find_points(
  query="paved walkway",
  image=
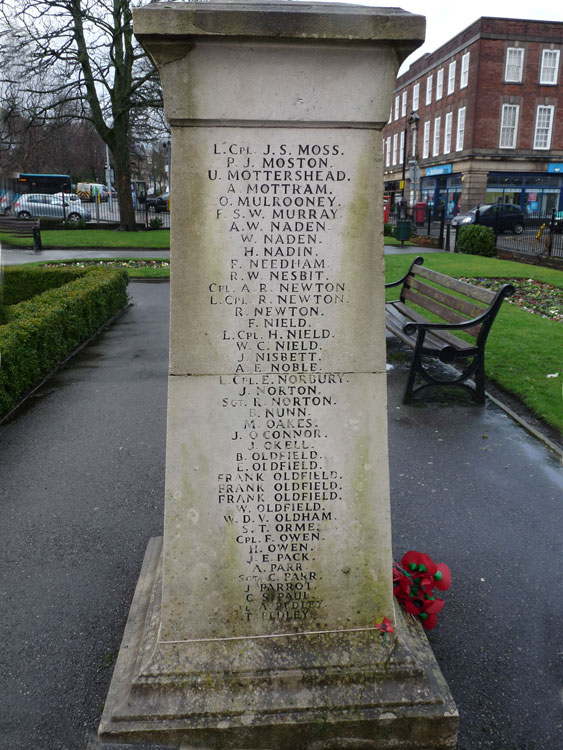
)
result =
(82, 467)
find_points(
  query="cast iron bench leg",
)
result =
(37, 239)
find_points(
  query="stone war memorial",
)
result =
(252, 625)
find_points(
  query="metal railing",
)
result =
(53, 209)
(542, 236)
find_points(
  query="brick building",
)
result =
(482, 118)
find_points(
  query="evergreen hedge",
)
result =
(475, 239)
(24, 282)
(42, 331)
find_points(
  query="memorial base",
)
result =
(313, 691)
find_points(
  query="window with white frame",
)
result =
(514, 65)
(448, 125)
(464, 77)
(436, 140)
(460, 135)
(402, 148)
(429, 81)
(388, 151)
(451, 77)
(404, 104)
(544, 124)
(397, 104)
(508, 126)
(395, 145)
(426, 140)
(439, 84)
(549, 67)
(415, 96)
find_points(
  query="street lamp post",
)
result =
(405, 140)
(414, 170)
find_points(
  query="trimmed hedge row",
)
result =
(22, 283)
(44, 330)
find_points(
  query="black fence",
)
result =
(541, 234)
(145, 215)
(70, 208)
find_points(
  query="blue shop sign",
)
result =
(440, 169)
(555, 167)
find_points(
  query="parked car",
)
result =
(72, 198)
(500, 216)
(45, 206)
(159, 204)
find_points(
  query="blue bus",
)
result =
(43, 183)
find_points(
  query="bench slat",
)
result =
(469, 309)
(440, 310)
(475, 292)
(395, 326)
(17, 226)
(401, 314)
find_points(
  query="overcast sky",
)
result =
(446, 19)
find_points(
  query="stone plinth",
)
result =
(253, 625)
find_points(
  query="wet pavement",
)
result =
(82, 467)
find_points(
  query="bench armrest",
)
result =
(506, 290)
(418, 261)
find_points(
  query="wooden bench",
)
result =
(22, 228)
(470, 309)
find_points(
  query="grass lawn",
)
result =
(52, 238)
(155, 238)
(392, 241)
(523, 349)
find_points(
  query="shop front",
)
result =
(533, 192)
(440, 187)
(393, 189)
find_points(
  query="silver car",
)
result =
(45, 206)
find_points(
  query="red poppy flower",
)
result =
(428, 621)
(433, 605)
(417, 563)
(385, 625)
(443, 577)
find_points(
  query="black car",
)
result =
(500, 216)
(159, 204)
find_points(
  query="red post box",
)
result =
(419, 212)
(386, 208)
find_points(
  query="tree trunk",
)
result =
(122, 167)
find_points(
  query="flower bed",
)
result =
(128, 263)
(532, 296)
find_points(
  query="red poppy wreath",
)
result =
(414, 581)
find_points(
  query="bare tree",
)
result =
(79, 59)
(63, 147)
